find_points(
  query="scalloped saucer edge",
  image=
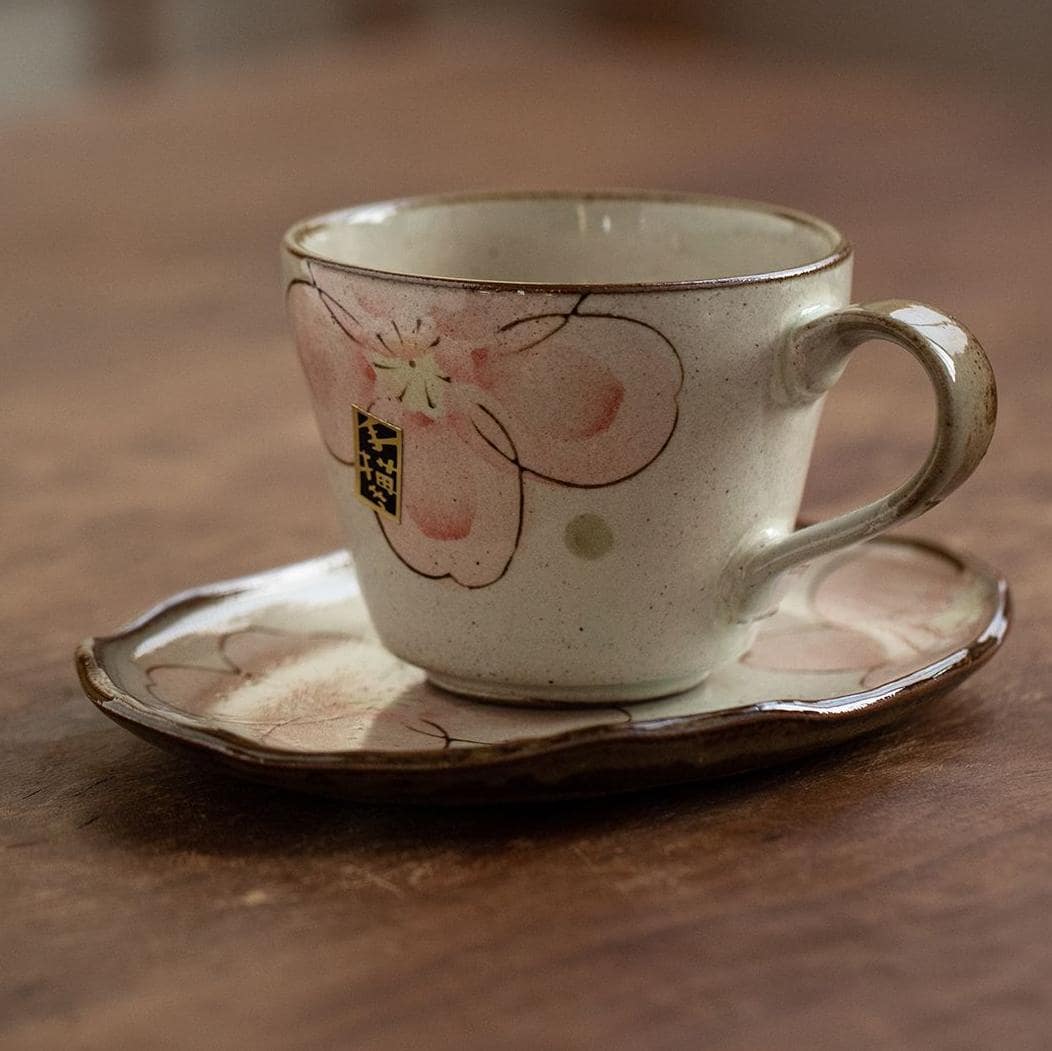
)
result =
(279, 677)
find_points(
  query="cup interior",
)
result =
(568, 240)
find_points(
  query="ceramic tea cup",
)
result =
(569, 433)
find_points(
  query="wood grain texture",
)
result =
(156, 433)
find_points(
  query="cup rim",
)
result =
(292, 242)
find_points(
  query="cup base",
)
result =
(557, 696)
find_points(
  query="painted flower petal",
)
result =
(461, 499)
(808, 647)
(373, 315)
(483, 319)
(898, 586)
(338, 373)
(593, 402)
(474, 328)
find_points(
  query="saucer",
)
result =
(280, 677)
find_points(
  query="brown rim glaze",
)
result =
(840, 252)
(588, 761)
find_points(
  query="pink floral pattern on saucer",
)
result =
(869, 616)
(487, 400)
(298, 666)
(281, 677)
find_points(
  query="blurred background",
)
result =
(155, 150)
(51, 46)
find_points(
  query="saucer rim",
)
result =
(832, 718)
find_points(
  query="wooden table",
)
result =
(156, 434)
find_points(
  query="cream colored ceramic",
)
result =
(281, 677)
(569, 434)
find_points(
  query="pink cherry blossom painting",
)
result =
(488, 399)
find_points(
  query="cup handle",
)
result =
(812, 360)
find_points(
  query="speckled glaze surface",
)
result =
(282, 677)
(569, 434)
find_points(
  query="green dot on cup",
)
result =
(588, 536)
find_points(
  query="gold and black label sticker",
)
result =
(378, 463)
